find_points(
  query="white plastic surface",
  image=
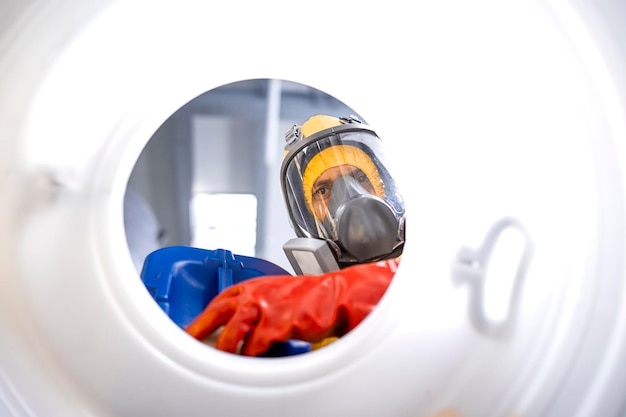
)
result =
(489, 108)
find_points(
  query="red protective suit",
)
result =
(270, 309)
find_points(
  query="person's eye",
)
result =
(362, 178)
(320, 192)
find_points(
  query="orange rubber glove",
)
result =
(270, 309)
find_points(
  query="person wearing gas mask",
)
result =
(349, 218)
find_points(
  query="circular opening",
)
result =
(204, 210)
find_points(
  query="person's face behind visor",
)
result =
(338, 188)
(322, 188)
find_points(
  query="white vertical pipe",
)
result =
(272, 117)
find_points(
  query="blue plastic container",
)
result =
(183, 280)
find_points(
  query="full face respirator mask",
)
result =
(343, 203)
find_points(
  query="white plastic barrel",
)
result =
(507, 133)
